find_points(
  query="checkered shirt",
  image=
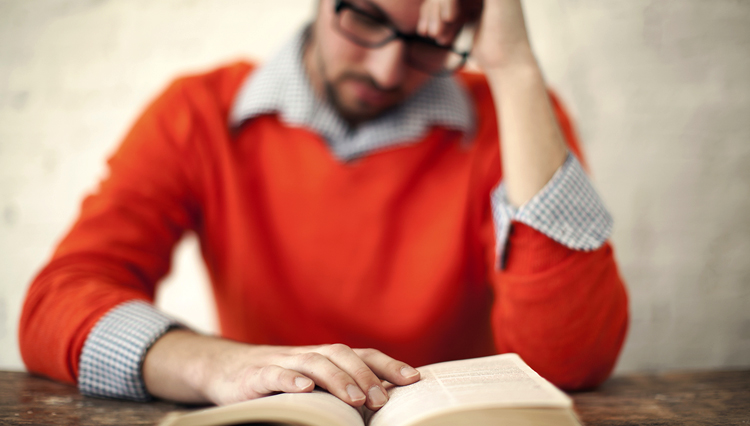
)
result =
(567, 209)
(112, 356)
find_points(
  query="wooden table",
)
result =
(695, 398)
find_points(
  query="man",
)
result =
(346, 196)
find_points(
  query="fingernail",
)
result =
(377, 397)
(355, 394)
(302, 382)
(408, 372)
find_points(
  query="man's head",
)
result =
(359, 75)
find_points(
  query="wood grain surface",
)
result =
(31, 400)
(691, 398)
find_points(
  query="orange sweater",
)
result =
(394, 250)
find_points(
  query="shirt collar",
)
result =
(282, 86)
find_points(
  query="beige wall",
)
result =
(660, 89)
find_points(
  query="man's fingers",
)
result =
(273, 378)
(387, 368)
(327, 375)
(347, 360)
(438, 20)
(424, 17)
(353, 375)
(449, 10)
(430, 22)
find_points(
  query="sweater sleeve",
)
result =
(560, 302)
(120, 245)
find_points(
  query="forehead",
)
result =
(404, 14)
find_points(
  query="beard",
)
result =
(354, 110)
(338, 92)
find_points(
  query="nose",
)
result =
(386, 64)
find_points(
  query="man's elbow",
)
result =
(591, 366)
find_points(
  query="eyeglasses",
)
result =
(370, 31)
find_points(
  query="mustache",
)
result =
(366, 79)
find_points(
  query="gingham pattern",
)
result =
(110, 364)
(281, 86)
(568, 210)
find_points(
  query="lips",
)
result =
(369, 95)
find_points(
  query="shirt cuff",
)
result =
(568, 210)
(112, 356)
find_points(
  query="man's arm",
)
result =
(188, 367)
(559, 300)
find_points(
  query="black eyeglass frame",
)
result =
(396, 34)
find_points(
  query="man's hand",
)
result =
(501, 38)
(187, 367)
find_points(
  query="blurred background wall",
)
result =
(660, 90)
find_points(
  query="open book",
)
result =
(498, 389)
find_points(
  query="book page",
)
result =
(318, 408)
(495, 381)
